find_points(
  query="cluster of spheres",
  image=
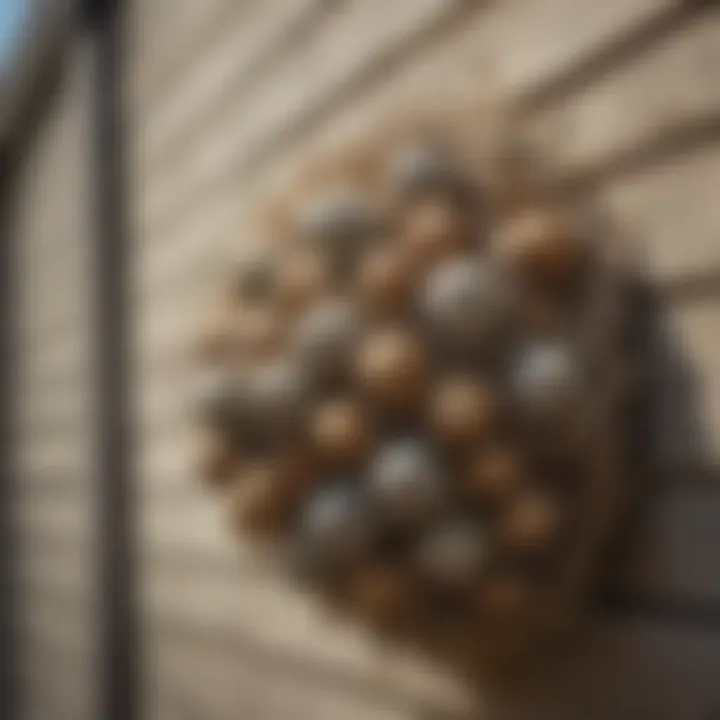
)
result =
(416, 397)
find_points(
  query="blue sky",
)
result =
(13, 15)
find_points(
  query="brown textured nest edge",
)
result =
(417, 389)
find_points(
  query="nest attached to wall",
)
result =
(418, 390)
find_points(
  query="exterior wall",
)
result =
(619, 98)
(225, 100)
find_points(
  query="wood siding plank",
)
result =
(671, 86)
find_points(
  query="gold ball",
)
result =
(302, 280)
(217, 339)
(298, 470)
(432, 230)
(254, 278)
(340, 431)
(462, 410)
(392, 367)
(385, 595)
(214, 456)
(543, 316)
(494, 474)
(502, 595)
(385, 281)
(324, 339)
(260, 332)
(531, 522)
(541, 245)
(259, 505)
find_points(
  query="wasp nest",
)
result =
(420, 394)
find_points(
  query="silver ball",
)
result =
(547, 381)
(424, 168)
(219, 397)
(277, 394)
(338, 224)
(464, 301)
(454, 552)
(325, 337)
(336, 528)
(405, 482)
(255, 278)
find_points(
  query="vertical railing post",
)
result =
(9, 647)
(119, 674)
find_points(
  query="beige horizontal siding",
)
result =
(349, 43)
(166, 35)
(227, 637)
(670, 86)
(670, 209)
(250, 41)
(470, 57)
(689, 412)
